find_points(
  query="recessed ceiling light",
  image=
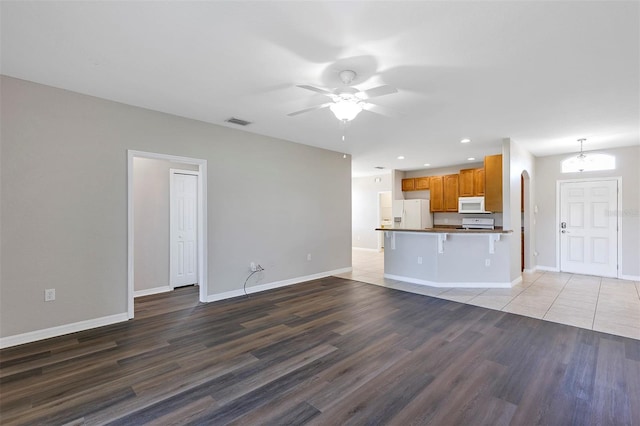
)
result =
(427, 164)
(465, 140)
(471, 158)
(400, 157)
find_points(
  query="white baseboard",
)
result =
(273, 285)
(547, 268)
(631, 277)
(60, 330)
(150, 291)
(554, 269)
(366, 249)
(529, 271)
(453, 284)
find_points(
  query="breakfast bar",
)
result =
(448, 257)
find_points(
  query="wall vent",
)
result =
(238, 121)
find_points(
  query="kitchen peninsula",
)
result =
(448, 257)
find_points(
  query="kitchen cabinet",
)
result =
(416, 184)
(408, 184)
(436, 188)
(467, 183)
(478, 178)
(450, 193)
(444, 193)
(493, 183)
(422, 183)
(472, 182)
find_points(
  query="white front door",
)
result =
(589, 227)
(183, 228)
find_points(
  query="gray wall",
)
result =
(64, 203)
(548, 172)
(365, 192)
(151, 221)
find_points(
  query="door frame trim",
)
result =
(202, 222)
(618, 180)
(173, 172)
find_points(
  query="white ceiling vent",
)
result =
(238, 121)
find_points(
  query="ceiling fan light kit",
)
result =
(345, 109)
(347, 101)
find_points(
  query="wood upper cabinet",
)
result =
(415, 184)
(422, 183)
(408, 184)
(478, 177)
(493, 183)
(467, 183)
(451, 193)
(436, 188)
(472, 182)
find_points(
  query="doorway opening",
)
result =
(160, 264)
(525, 225)
(385, 219)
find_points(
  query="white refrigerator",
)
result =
(412, 214)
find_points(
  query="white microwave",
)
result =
(471, 205)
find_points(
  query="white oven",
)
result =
(471, 205)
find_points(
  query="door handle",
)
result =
(564, 231)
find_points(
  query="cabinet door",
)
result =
(467, 183)
(493, 183)
(408, 184)
(478, 182)
(451, 193)
(422, 183)
(436, 188)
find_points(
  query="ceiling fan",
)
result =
(347, 102)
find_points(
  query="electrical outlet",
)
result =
(49, 294)
(309, 256)
(253, 266)
(419, 260)
(487, 262)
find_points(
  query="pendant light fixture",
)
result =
(582, 158)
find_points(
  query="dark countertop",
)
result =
(450, 230)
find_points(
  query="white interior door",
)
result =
(589, 227)
(183, 228)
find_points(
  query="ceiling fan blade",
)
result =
(315, 89)
(376, 91)
(302, 111)
(381, 110)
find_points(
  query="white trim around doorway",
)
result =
(202, 222)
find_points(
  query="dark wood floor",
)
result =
(326, 352)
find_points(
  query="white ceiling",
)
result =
(542, 73)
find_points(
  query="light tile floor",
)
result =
(601, 304)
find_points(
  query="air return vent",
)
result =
(238, 121)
